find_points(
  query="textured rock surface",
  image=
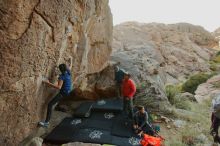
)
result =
(41, 132)
(158, 54)
(36, 141)
(36, 36)
(216, 33)
(177, 50)
(208, 90)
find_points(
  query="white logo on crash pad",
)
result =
(95, 134)
(134, 141)
(76, 121)
(101, 102)
(109, 115)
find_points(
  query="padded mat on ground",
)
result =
(89, 131)
(105, 116)
(113, 105)
(120, 141)
(65, 131)
(84, 110)
(93, 136)
(122, 128)
(98, 124)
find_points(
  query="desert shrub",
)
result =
(217, 59)
(188, 140)
(171, 92)
(194, 81)
(174, 143)
(218, 53)
(182, 104)
(213, 66)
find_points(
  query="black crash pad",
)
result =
(105, 124)
(120, 141)
(98, 124)
(84, 110)
(109, 105)
(122, 127)
(65, 131)
(103, 116)
(91, 135)
(92, 131)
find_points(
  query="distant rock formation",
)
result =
(216, 33)
(161, 54)
(35, 37)
(175, 50)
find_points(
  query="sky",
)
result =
(205, 13)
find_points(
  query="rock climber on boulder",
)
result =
(64, 85)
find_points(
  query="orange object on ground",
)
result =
(148, 140)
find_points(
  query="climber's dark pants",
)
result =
(214, 127)
(51, 104)
(128, 108)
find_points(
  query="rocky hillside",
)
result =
(171, 51)
(217, 32)
(178, 49)
(158, 54)
(35, 37)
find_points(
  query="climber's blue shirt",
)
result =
(67, 83)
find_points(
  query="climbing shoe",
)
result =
(43, 124)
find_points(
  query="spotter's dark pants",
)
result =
(128, 108)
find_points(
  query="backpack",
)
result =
(151, 141)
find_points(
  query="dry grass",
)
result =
(198, 122)
(172, 92)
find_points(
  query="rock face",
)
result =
(177, 50)
(36, 141)
(161, 54)
(36, 36)
(208, 90)
(216, 33)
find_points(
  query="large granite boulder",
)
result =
(35, 37)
